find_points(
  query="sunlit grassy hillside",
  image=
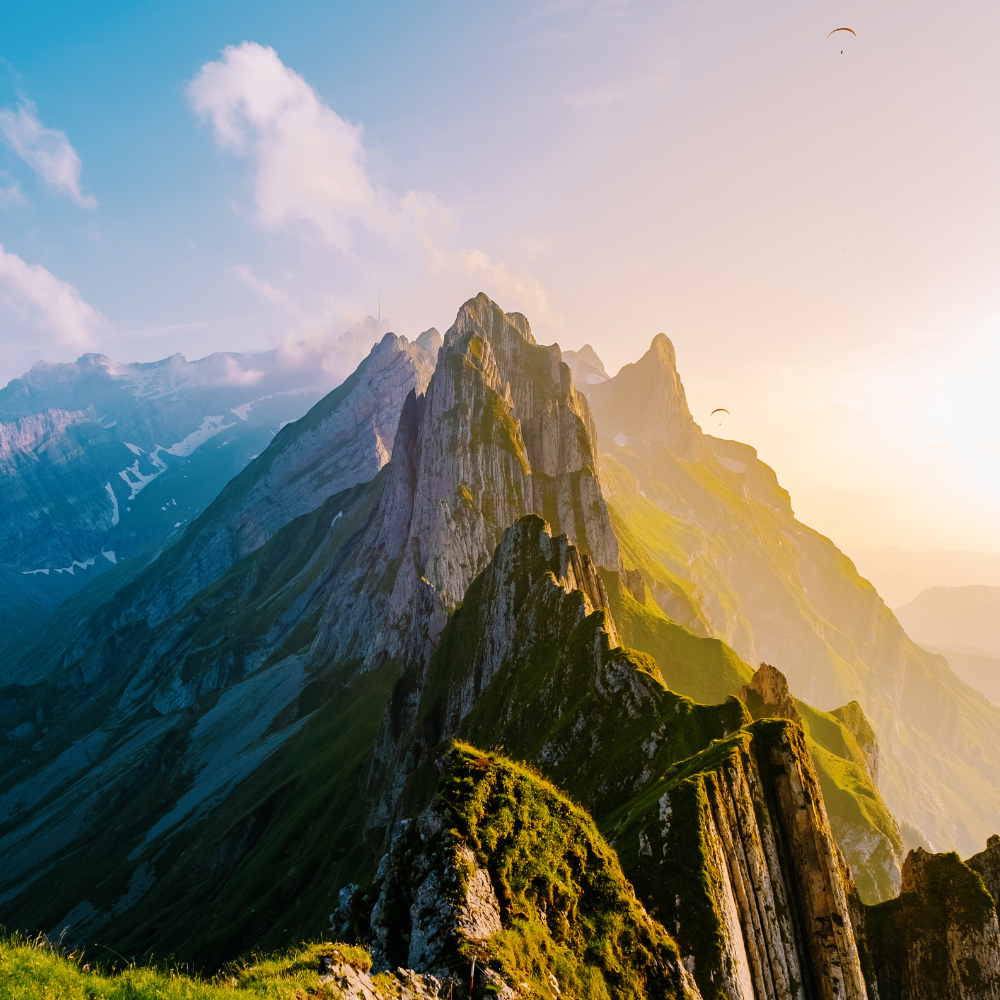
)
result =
(30, 971)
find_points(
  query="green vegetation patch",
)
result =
(567, 906)
(30, 970)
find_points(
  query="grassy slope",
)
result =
(300, 813)
(30, 972)
(543, 852)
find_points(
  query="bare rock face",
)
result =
(503, 433)
(768, 873)
(431, 896)
(767, 695)
(939, 938)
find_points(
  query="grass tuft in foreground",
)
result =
(30, 970)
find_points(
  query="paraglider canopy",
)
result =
(849, 30)
(721, 409)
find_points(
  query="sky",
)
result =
(812, 220)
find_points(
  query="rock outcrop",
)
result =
(502, 866)
(939, 938)
(987, 865)
(767, 696)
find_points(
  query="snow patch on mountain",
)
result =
(142, 480)
(210, 426)
(114, 504)
(74, 565)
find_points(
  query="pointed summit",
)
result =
(645, 404)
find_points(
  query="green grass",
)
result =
(568, 907)
(704, 669)
(31, 971)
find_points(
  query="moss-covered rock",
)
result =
(939, 938)
(503, 867)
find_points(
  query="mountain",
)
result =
(950, 616)
(714, 538)
(102, 462)
(900, 575)
(586, 366)
(315, 701)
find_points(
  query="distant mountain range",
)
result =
(303, 712)
(102, 463)
(955, 616)
(900, 575)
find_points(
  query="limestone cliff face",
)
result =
(845, 754)
(939, 938)
(740, 839)
(501, 432)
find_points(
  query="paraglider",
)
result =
(720, 409)
(835, 30)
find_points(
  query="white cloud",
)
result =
(41, 301)
(310, 162)
(310, 166)
(46, 150)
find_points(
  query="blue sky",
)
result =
(817, 232)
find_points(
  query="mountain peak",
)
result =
(645, 404)
(662, 351)
(431, 341)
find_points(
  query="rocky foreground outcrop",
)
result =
(502, 867)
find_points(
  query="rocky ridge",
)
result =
(711, 532)
(346, 651)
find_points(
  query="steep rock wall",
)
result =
(939, 938)
(734, 852)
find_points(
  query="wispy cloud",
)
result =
(310, 162)
(310, 167)
(40, 301)
(11, 194)
(46, 150)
